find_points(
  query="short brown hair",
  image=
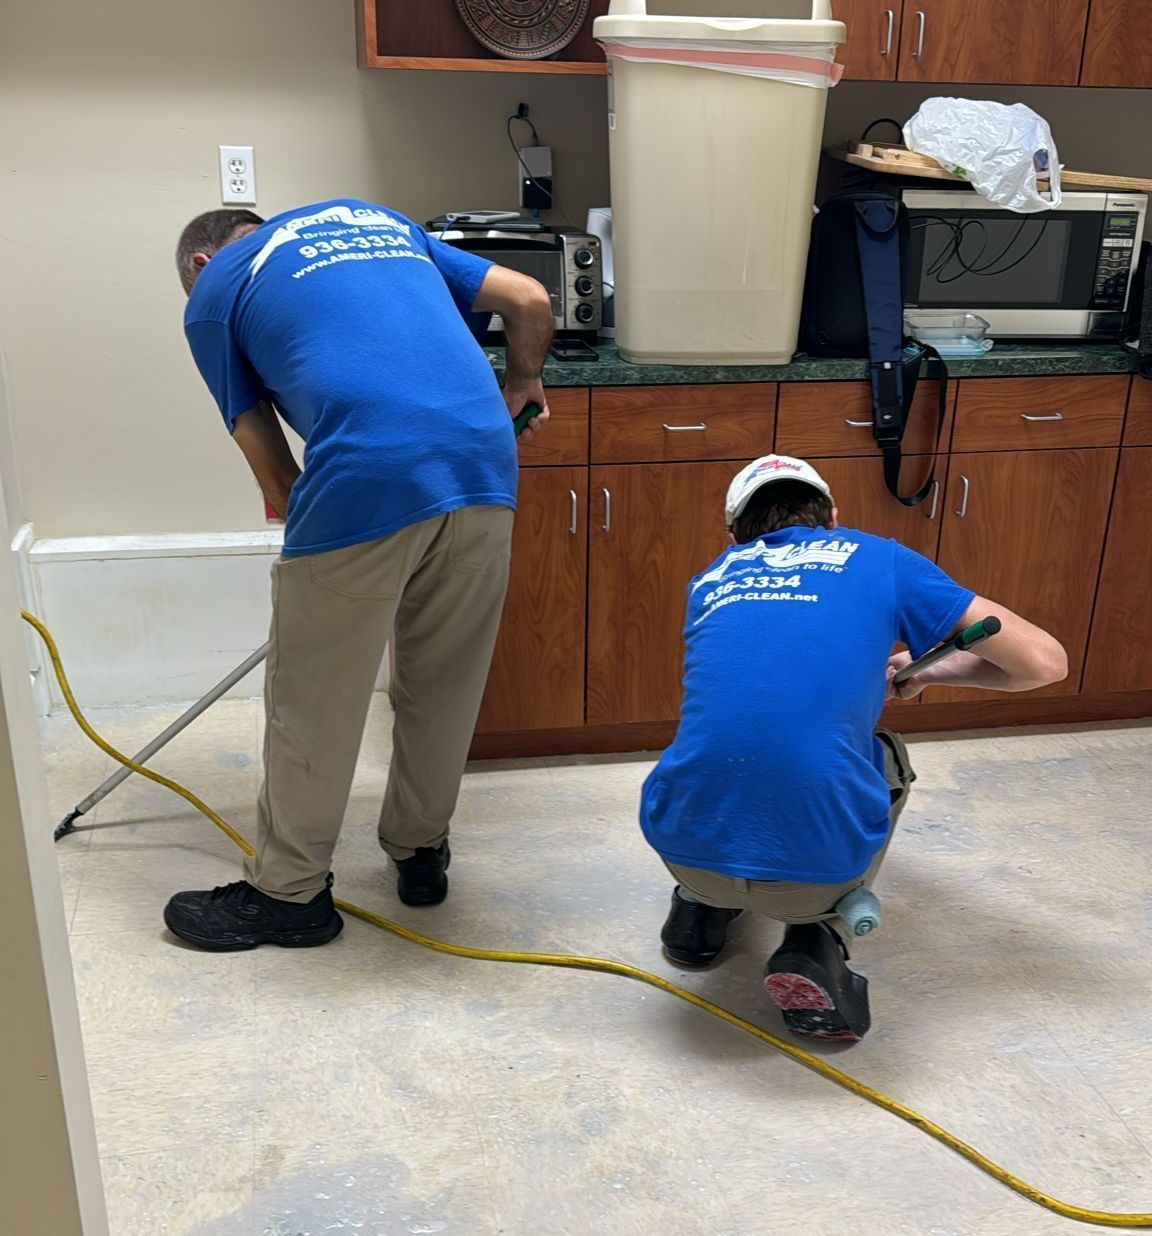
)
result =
(781, 504)
(208, 233)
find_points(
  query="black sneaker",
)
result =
(238, 916)
(421, 879)
(809, 981)
(694, 934)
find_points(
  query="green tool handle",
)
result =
(527, 413)
(960, 642)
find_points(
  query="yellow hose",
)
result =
(1103, 1218)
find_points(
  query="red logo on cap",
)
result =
(776, 465)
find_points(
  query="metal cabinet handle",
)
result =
(920, 21)
(572, 525)
(1054, 416)
(859, 424)
(607, 525)
(935, 499)
(890, 14)
(962, 510)
(685, 428)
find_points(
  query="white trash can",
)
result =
(715, 128)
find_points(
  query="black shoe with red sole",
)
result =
(810, 983)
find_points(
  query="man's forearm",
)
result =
(528, 330)
(259, 434)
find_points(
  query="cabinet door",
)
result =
(1026, 529)
(1120, 651)
(864, 502)
(654, 526)
(1036, 42)
(871, 52)
(537, 676)
(1118, 51)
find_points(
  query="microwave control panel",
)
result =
(1116, 259)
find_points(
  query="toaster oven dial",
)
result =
(584, 286)
(585, 313)
(584, 258)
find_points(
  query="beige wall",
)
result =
(9, 480)
(110, 115)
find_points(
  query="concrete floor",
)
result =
(372, 1087)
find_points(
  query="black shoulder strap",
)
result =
(878, 246)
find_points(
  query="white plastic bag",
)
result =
(1001, 149)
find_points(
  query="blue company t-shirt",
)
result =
(774, 773)
(356, 325)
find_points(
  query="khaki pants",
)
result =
(439, 587)
(802, 903)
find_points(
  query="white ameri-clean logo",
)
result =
(357, 217)
(833, 552)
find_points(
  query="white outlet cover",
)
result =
(237, 176)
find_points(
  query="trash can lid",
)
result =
(624, 21)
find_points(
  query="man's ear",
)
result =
(834, 522)
(200, 260)
(731, 537)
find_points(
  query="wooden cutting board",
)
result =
(900, 161)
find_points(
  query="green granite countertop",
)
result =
(1006, 360)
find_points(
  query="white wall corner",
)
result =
(38, 666)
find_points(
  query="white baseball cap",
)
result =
(764, 471)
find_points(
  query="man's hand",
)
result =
(906, 690)
(518, 395)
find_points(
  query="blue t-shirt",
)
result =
(774, 773)
(356, 325)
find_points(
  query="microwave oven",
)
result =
(1057, 274)
(567, 262)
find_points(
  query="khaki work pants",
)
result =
(803, 903)
(438, 586)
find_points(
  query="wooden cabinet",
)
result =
(816, 419)
(864, 502)
(1008, 414)
(1118, 49)
(1120, 650)
(1138, 427)
(618, 512)
(1026, 528)
(1036, 42)
(666, 424)
(872, 49)
(537, 675)
(653, 527)
(564, 438)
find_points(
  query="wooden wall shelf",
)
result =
(429, 34)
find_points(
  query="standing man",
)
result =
(354, 325)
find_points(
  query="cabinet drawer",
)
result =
(564, 438)
(835, 418)
(1138, 430)
(668, 424)
(1034, 413)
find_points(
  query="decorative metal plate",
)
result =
(524, 29)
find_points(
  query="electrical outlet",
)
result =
(237, 176)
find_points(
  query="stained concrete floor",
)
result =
(373, 1087)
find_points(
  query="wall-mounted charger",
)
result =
(535, 168)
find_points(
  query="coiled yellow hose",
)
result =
(1103, 1218)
